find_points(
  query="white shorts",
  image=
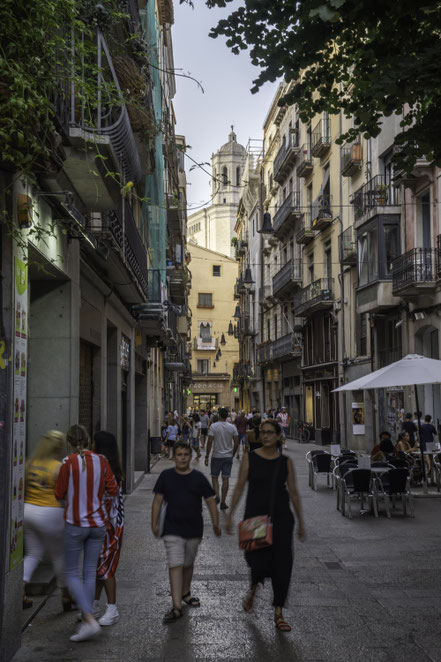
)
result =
(181, 551)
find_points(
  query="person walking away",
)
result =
(186, 429)
(428, 431)
(204, 429)
(83, 478)
(104, 443)
(196, 435)
(252, 437)
(222, 437)
(43, 514)
(172, 436)
(183, 489)
(285, 418)
(409, 426)
(232, 416)
(271, 485)
(164, 427)
(241, 424)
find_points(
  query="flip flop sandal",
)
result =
(173, 615)
(282, 625)
(192, 602)
(248, 601)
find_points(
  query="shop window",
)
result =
(205, 300)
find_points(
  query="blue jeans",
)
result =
(89, 540)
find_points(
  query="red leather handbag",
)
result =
(255, 533)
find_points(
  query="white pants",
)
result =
(43, 532)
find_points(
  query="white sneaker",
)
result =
(86, 631)
(110, 616)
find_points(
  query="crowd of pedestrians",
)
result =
(74, 508)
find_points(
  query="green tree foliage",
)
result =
(367, 58)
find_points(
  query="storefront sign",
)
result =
(19, 413)
(125, 352)
(358, 426)
(206, 386)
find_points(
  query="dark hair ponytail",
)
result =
(105, 444)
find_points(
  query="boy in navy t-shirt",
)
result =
(183, 489)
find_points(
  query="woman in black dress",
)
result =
(271, 484)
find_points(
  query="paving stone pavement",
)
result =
(363, 590)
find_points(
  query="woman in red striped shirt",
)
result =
(83, 480)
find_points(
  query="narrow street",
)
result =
(362, 590)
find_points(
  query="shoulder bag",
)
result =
(257, 532)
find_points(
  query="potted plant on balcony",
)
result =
(382, 194)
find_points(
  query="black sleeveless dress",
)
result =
(276, 561)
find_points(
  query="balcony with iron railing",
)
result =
(241, 247)
(316, 296)
(305, 166)
(321, 137)
(322, 213)
(175, 214)
(378, 195)
(348, 246)
(210, 344)
(266, 296)
(286, 157)
(288, 212)
(107, 125)
(287, 279)
(351, 158)
(265, 352)
(306, 232)
(247, 327)
(287, 346)
(415, 272)
(118, 229)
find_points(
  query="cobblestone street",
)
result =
(362, 590)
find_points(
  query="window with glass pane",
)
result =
(205, 332)
(216, 270)
(203, 366)
(368, 257)
(205, 299)
(391, 246)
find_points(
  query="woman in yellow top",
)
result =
(43, 514)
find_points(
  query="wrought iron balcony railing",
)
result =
(305, 166)
(378, 192)
(289, 274)
(314, 295)
(289, 209)
(321, 137)
(348, 246)
(108, 120)
(351, 158)
(286, 157)
(287, 345)
(305, 233)
(417, 267)
(265, 353)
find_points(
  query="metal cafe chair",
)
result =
(359, 484)
(321, 465)
(392, 484)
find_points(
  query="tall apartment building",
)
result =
(94, 308)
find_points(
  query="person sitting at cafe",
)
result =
(385, 452)
(409, 426)
(376, 449)
(403, 443)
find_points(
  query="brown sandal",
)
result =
(281, 624)
(248, 601)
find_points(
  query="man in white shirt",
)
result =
(223, 438)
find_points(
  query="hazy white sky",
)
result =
(205, 119)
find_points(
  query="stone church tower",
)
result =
(213, 226)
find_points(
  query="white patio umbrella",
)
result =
(413, 369)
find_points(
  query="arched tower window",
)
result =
(238, 176)
(225, 176)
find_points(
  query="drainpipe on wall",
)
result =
(342, 298)
(262, 273)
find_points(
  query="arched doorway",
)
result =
(427, 344)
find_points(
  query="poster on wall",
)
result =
(358, 426)
(19, 412)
